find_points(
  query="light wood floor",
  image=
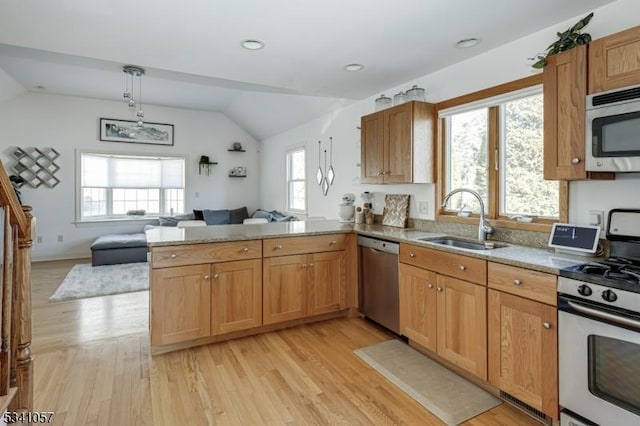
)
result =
(92, 367)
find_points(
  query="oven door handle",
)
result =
(605, 315)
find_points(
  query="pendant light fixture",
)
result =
(129, 95)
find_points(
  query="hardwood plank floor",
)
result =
(92, 367)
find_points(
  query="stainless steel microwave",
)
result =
(613, 131)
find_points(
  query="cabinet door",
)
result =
(236, 296)
(614, 61)
(523, 351)
(180, 304)
(284, 283)
(565, 88)
(372, 149)
(462, 324)
(327, 282)
(418, 304)
(398, 144)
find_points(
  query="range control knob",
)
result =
(585, 290)
(609, 296)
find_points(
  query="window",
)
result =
(296, 185)
(119, 186)
(494, 146)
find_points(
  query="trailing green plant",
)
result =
(566, 41)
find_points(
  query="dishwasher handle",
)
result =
(379, 245)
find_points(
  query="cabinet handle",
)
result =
(517, 282)
(546, 325)
(216, 276)
(412, 255)
(430, 285)
(575, 160)
(246, 249)
(173, 256)
(333, 243)
(439, 289)
(279, 247)
(462, 267)
(304, 265)
(206, 277)
(311, 265)
(380, 173)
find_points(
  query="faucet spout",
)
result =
(483, 227)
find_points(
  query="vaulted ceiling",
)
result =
(193, 58)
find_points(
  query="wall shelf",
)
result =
(236, 150)
(235, 176)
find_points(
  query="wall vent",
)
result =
(535, 413)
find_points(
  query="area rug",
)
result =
(445, 394)
(84, 280)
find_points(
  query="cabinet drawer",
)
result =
(451, 264)
(302, 245)
(523, 282)
(194, 254)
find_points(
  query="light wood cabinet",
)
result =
(236, 296)
(418, 306)
(523, 350)
(180, 304)
(614, 61)
(327, 282)
(462, 324)
(298, 286)
(523, 335)
(397, 144)
(442, 313)
(284, 284)
(565, 88)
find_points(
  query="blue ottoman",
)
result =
(119, 248)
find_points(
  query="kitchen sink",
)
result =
(464, 244)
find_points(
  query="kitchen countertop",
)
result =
(526, 257)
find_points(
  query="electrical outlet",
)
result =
(423, 207)
(39, 239)
(197, 194)
(59, 238)
(596, 218)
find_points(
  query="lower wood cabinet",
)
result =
(445, 315)
(298, 286)
(180, 304)
(190, 302)
(523, 350)
(236, 296)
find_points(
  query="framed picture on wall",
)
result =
(112, 130)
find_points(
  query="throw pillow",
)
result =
(262, 214)
(173, 220)
(198, 215)
(238, 215)
(216, 217)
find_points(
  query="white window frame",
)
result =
(288, 181)
(79, 219)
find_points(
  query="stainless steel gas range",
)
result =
(599, 331)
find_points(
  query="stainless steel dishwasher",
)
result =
(378, 282)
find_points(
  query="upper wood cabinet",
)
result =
(398, 144)
(614, 61)
(565, 90)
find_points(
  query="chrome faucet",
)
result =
(483, 226)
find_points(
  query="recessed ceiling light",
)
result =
(353, 67)
(467, 42)
(252, 44)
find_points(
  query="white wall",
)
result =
(500, 65)
(69, 123)
(9, 88)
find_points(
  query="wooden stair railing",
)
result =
(16, 363)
